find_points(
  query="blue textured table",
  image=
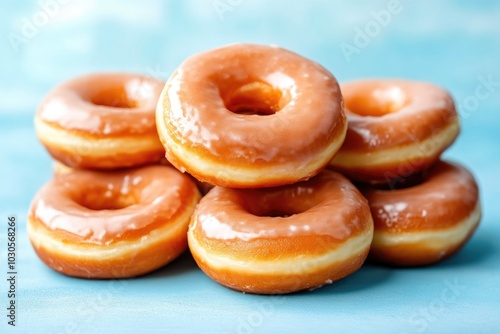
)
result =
(454, 44)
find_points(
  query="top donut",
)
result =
(251, 116)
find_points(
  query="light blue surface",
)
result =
(455, 44)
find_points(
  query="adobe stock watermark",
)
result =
(78, 153)
(31, 26)
(486, 87)
(258, 316)
(363, 36)
(268, 307)
(91, 309)
(422, 319)
(223, 6)
(145, 88)
(157, 73)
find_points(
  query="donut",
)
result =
(250, 116)
(397, 128)
(283, 239)
(425, 223)
(102, 121)
(119, 224)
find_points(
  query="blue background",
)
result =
(455, 44)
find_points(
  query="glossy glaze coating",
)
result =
(104, 208)
(244, 107)
(447, 196)
(427, 222)
(104, 104)
(102, 121)
(396, 128)
(284, 239)
(387, 113)
(326, 205)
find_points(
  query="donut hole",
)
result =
(376, 102)
(278, 205)
(104, 199)
(115, 97)
(273, 213)
(255, 98)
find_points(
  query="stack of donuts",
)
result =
(302, 179)
(423, 209)
(112, 210)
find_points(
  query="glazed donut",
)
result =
(425, 223)
(250, 116)
(283, 239)
(112, 225)
(102, 121)
(397, 128)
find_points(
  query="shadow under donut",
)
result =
(182, 265)
(479, 249)
(367, 277)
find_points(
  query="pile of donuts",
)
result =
(275, 177)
